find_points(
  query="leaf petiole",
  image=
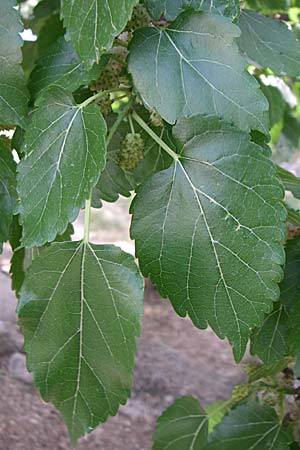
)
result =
(118, 122)
(154, 136)
(102, 94)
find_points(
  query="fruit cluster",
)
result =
(131, 152)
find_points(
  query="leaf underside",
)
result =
(80, 308)
(194, 66)
(208, 230)
(65, 152)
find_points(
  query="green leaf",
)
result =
(293, 215)
(13, 92)
(277, 104)
(290, 285)
(290, 293)
(269, 342)
(250, 426)
(194, 66)
(65, 152)
(170, 9)
(8, 196)
(199, 236)
(291, 128)
(268, 6)
(60, 66)
(182, 426)
(93, 25)
(215, 413)
(17, 266)
(114, 180)
(270, 43)
(289, 180)
(80, 308)
(51, 31)
(279, 334)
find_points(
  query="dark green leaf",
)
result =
(199, 236)
(268, 6)
(250, 426)
(293, 215)
(289, 180)
(13, 92)
(17, 266)
(183, 426)
(93, 24)
(290, 293)
(60, 66)
(170, 9)
(8, 196)
(279, 334)
(291, 128)
(277, 104)
(194, 66)
(269, 342)
(80, 308)
(65, 152)
(270, 43)
(50, 32)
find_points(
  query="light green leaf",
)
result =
(182, 426)
(80, 308)
(199, 236)
(270, 43)
(194, 66)
(269, 342)
(65, 152)
(93, 24)
(114, 180)
(215, 413)
(60, 66)
(8, 196)
(13, 91)
(250, 426)
(170, 9)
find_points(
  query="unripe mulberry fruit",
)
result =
(140, 18)
(240, 391)
(131, 152)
